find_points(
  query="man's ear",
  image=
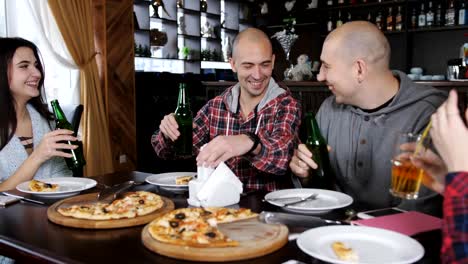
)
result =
(361, 70)
(233, 65)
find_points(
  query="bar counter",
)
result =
(28, 236)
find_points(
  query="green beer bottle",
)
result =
(183, 116)
(77, 161)
(322, 177)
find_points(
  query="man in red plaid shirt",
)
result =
(251, 127)
(450, 136)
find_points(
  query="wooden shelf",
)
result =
(164, 20)
(189, 11)
(441, 28)
(366, 5)
(189, 36)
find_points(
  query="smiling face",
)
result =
(24, 75)
(253, 61)
(337, 72)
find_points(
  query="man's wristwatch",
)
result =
(255, 139)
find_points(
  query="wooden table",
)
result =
(27, 235)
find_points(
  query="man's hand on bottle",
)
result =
(222, 148)
(302, 161)
(52, 145)
(169, 127)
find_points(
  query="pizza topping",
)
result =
(174, 223)
(180, 216)
(210, 234)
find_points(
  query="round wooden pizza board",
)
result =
(57, 218)
(255, 239)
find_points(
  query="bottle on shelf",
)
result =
(329, 2)
(369, 17)
(323, 177)
(184, 118)
(450, 14)
(329, 23)
(78, 161)
(339, 21)
(462, 14)
(390, 21)
(438, 16)
(429, 15)
(414, 19)
(203, 5)
(379, 21)
(422, 17)
(399, 20)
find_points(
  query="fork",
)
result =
(302, 199)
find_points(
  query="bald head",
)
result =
(251, 35)
(361, 40)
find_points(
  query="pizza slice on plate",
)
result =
(39, 186)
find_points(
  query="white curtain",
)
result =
(33, 20)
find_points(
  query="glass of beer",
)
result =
(406, 178)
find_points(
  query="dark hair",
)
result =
(8, 122)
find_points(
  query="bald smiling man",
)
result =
(251, 126)
(370, 104)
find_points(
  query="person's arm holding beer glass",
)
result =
(450, 175)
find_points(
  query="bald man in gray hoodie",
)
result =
(369, 105)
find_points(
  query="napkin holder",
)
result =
(217, 188)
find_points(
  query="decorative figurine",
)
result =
(312, 4)
(207, 30)
(181, 28)
(264, 8)
(302, 71)
(180, 3)
(226, 46)
(155, 4)
(289, 5)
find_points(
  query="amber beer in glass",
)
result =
(406, 178)
(77, 161)
(322, 177)
(183, 116)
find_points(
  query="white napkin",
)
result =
(220, 188)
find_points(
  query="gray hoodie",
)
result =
(362, 143)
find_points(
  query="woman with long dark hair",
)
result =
(29, 147)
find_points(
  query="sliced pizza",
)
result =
(132, 205)
(343, 252)
(183, 180)
(39, 186)
(196, 227)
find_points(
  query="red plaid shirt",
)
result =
(455, 229)
(279, 122)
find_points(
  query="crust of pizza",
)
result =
(183, 180)
(132, 205)
(39, 186)
(196, 227)
(343, 252)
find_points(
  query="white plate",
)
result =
(372, 245)
(167, 181)
(68, 186)
(325, 201)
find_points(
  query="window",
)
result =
(61, 82)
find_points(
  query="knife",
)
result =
(295, 219)
(23, 198)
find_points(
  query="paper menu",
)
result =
(407, 223)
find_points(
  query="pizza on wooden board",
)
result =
(132, 205)
(39, 186)
(197, 227)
